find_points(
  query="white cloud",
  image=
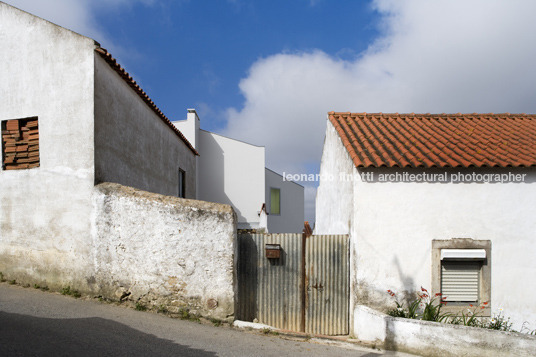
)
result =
(433, 56)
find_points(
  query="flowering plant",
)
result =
(471, 317)
(499, 322)
(399, 311)
(430, 307)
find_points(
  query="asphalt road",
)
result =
(36, 323)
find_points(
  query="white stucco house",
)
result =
(233, 172)
(446, 202)
(72, 119)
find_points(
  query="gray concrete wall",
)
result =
(47, 71)
(165, 250)
(133, 146)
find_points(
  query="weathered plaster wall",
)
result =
(47, 71)
(392, 225)
(435, 339)
(165, 250)
(133, 146)
(395, 224)
(292, 200)
(334, 198)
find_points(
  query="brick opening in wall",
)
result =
(20, 144)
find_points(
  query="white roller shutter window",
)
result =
(460, 280)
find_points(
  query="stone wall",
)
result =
(163, 250)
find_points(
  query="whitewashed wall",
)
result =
(56, 228)
(393, 225)
(165, 250)
(291, 204)
(133, 146)
(427, 338)
(334, 197)
(47, 71)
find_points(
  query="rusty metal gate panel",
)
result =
(270, 289)
(304, 289)
(327, 279)
(246, 304)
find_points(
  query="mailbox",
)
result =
(273, 251)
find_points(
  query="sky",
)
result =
(268, 71)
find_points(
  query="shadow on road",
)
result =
(23, 335)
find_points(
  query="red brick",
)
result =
(12, 125)
(31, 124)
(9, 159)
(16, 166)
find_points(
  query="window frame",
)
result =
(484, 291)
(271, 212)
(182, 184)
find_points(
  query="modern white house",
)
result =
(446, 202)
(233, 172)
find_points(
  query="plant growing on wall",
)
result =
(499, 322)
(469, 318)
(424, 307)
(428, 308)
(410, 312)
(432, 306)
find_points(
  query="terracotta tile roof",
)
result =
(132, 83)
(438, 140)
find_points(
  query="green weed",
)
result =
(140, 307)
(184, 314)
(216, 322)
(68, 291)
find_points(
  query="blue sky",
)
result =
(194, 53)
(267, 72)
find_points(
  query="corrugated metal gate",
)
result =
(305, 289)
